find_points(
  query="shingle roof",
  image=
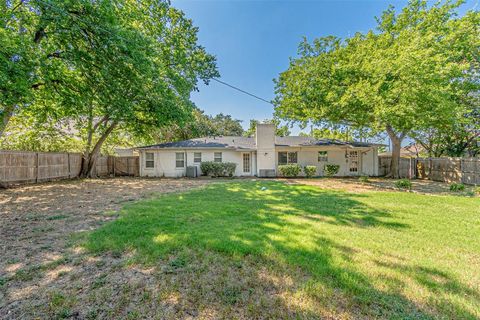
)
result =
(234, 142)
(230, 142)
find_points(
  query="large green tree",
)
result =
(19, 59)
(111, 66)
(201, 125)
(411, 73)
(280, 130)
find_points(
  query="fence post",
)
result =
(37, 165)
(461, 170)
(68, 160)
(114, 165)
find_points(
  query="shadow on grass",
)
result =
(280, 226)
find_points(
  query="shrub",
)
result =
(218, 169)
(363, 179)
(331, 169)
(289, 170)
(310, 171)
(476, 190)
(403, 184)
(457, 187)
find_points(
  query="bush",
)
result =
(363, 179)
(289, 170)
(218, 169)
(403, 184)
(476, 190)
(457, 187)
(310, 171)
(331, 169)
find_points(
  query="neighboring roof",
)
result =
(234, 142)
(410, 151)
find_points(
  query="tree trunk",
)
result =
(396, 146)
(90, 158)
(5, 115)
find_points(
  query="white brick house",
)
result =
(260, 155)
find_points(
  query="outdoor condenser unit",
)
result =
(192, 172)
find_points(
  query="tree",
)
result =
(225, 125)
(18, 61)
(411, 74)
(201, 125)
(280, 130)
(123, 66)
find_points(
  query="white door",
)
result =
(354, 162)
(246, 163)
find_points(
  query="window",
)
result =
(197, 157)
(292, 157)
(149, 160)
(179, 160)
(287, 157)
(322, 156)
(246, 162)
(217, 157)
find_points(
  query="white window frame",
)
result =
(177, 160)
(322, 156)
(216, 157)
(149, 163)
(288, 157)
(197, 157)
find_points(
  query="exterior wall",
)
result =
(164, 165)
(265, 141)
(164, 162)
(336, 155)
(370, 162)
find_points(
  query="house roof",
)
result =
(234, 142)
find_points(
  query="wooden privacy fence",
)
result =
(18, 167)
(460, 170)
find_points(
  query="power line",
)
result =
(128, 40)
(243, 91)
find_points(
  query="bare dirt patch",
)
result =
(379, 184)
(37, 222)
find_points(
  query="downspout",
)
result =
(186, 162)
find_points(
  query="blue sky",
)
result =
(253, 41)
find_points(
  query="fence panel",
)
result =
(459, 170)
(406, 167)
(17, 167)
(126, 166)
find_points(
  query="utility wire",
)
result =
(128, 40)
(243, 91)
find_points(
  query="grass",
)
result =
(343, 255)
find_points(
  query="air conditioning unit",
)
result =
(266, 173)
(192, 172)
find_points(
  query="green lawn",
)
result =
(306, 252)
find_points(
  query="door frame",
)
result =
(249, 172)
(359, 163)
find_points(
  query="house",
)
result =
(410, 151)
(260, 155)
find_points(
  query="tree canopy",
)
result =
(105, 65)
(414, 72)
(280, 130)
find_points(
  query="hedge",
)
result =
(289, 170)
(310, 171)
(218, 169)
(331, 169)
